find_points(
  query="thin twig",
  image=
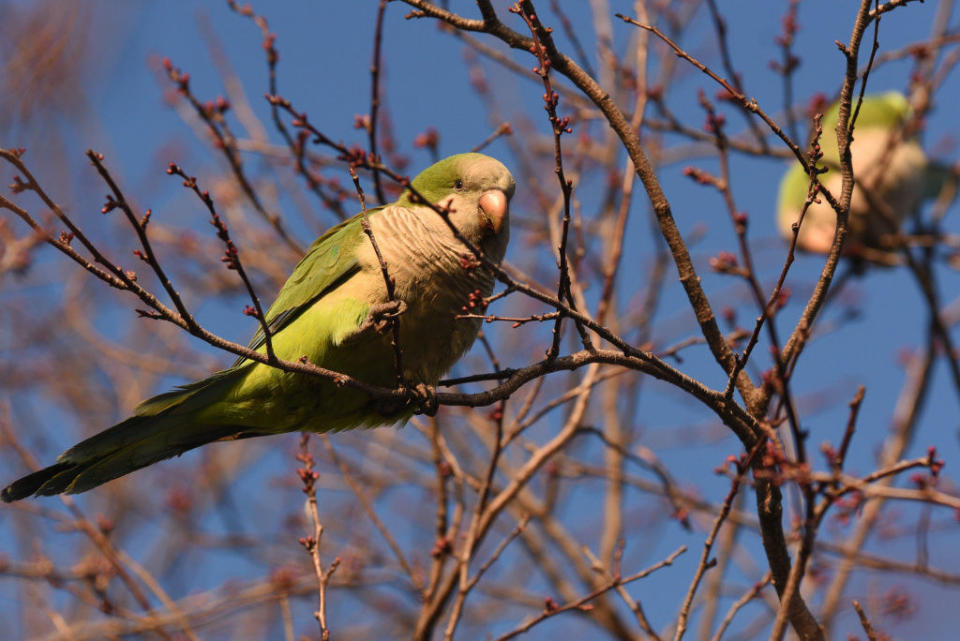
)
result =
(311, 543)
(554, 609)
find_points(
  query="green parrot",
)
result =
(330, 311)
(895, 170)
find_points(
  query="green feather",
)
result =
(329, 261)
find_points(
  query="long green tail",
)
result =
(161, 429)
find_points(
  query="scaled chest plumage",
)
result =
(436, 276)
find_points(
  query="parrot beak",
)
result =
(493, 205)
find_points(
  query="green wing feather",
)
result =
(329, 261)
(164, 425)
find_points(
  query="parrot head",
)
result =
(476, 190)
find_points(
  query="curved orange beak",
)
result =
(494, 206)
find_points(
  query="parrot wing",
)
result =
(329, 261)
(157, 430)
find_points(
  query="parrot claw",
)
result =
(381, 316)
(423, 397)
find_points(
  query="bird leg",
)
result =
(381, 316)
(423, 397)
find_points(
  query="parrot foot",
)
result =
(381, 316)
(423, 397)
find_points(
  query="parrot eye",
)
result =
(458, 184)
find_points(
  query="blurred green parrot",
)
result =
(895, 171)
(328, 312)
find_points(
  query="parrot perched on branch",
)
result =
(894, 169)
(331, 311)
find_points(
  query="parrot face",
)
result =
(892, 177)
(476, 189)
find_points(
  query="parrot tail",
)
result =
(161, 437)
(941, 179)
(134, 443)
